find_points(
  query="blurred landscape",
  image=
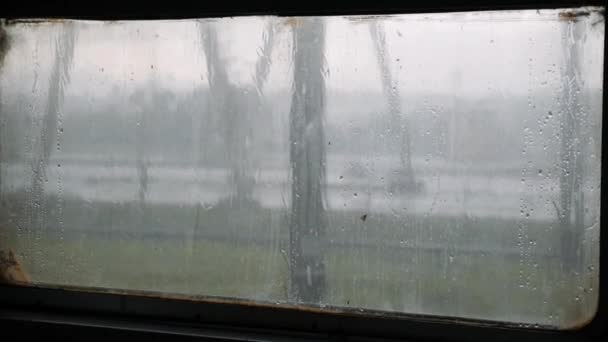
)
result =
(420, 252)
(443, 202)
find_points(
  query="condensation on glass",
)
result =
(440, 164)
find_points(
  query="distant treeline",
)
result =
(179, 127)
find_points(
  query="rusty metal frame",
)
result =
(88, 312)
(183, 9)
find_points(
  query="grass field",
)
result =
(428, 265)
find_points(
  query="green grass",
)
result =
(389, 274)
(171, 266)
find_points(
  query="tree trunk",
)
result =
(4, 47)
(60, 76)
(224, 105)
(308, 219)
(141, 163)
(571, 207)
(401, 137)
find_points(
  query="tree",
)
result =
(141, 165)
(234, 107)
(571, 201)
(308, 219)
(149, 101)
(401, 137)
(4, 48)
(50, 131)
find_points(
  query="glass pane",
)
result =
(440, 164)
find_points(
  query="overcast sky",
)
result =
(468, 53)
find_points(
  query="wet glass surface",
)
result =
(442, 164)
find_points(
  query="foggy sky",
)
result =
(483, 53)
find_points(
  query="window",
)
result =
(444, 164)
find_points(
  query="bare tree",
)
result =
(308, 220)
(262, 65)
(142, 99)
(401, 140)
(571, 201)
(141, 161)
(4, 48)
(59, 79)
(235, 106)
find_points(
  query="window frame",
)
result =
(156, 315)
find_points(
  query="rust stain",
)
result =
(580, 322)
(37, 21)
(5, 43)
(11, 271)
(189, 298)
(10, 22)
(573, 14)
(370, 17)
(292, 22)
